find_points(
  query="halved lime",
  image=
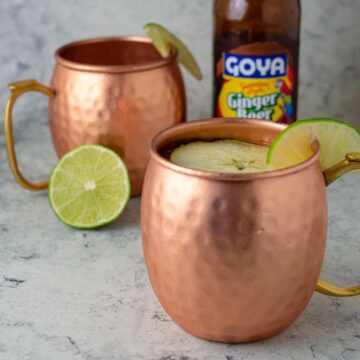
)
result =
(164, 41)
(89, 187)
(293, 145)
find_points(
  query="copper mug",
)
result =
(117, 92)
(235, 257)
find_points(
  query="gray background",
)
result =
(30, 31)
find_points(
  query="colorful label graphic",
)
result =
(258, 87)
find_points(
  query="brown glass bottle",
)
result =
(256, 59)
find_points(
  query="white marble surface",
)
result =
(67, 294)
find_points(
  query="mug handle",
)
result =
(17, 89)
(351, 162)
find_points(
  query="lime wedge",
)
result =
(164, 41)
(293, 145)
(89, 187)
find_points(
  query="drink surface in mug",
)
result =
(228, 156)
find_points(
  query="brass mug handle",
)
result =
(351, 162)
(17, 89)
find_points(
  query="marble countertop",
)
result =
(71, 294)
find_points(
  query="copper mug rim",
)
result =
(160, 140)
(82, 66)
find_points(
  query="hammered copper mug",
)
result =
(235, 257)
(117, 92)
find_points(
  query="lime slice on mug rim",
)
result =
(164, 41)
(89, 187)
(294, 144)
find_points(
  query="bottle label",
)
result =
(256, 86)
